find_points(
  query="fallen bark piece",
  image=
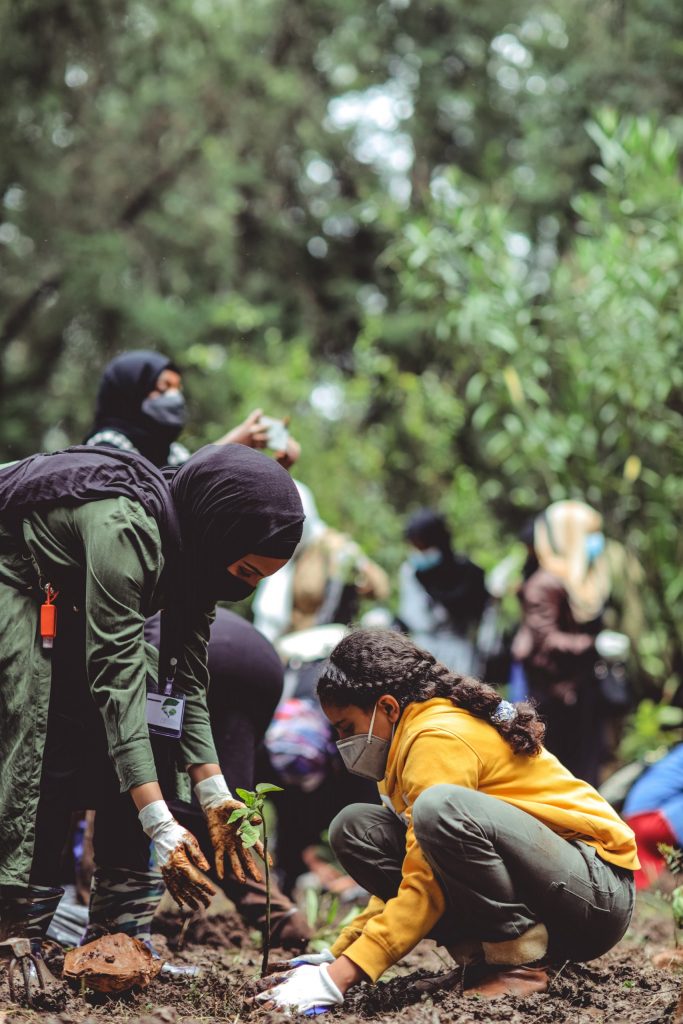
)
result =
(112, 963)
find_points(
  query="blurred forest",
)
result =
(445, 238)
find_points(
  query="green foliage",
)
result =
(326, 917)
(673, 857)
(252, 814)
(651, 728)
(445, 240)
(321, 908)
(677, 905)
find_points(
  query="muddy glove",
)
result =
(324, 957)
(178, 855)
(308, 990)
(218, 804)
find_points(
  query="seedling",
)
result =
(323, 915)
(674, 862)
(248, 816)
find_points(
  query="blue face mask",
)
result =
(427, 559)
(595, 545)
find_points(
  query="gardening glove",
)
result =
(324, 957)
(178, 855)
(307, 989)
(218, 804)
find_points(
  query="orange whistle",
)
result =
(48, 618)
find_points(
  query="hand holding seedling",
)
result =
(227, 819)
(233, 830)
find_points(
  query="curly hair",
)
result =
(369, 663)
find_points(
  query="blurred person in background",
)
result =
(141, 407)
(566, 587)
(653, 808)
(325, 583)
(442, 594)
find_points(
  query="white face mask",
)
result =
(366, 755)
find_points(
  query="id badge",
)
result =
(165, 714)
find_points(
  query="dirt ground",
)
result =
(623, 987)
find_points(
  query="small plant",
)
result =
(674, 862)
(249, 817)
(324, 915)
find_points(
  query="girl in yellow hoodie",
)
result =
(485, 841)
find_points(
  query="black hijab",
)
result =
(126, 382)
(456, 582)
(233, 501)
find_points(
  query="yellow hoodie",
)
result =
(436, 742)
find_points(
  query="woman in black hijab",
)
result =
(442, 594)
(103, 529)
(140, 406)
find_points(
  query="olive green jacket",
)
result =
(104, 557)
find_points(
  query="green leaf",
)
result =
(677, 905)
(332, 912)
(249, 835)
(268, 787)
(350, 916)
(239, 812)
(247, 796)
(311, 906)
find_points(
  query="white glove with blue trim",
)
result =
(307, 989)
(324, 957)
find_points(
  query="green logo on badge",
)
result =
(170, 706)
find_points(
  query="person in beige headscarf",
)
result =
(563, 596)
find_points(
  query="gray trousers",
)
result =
(501, 871)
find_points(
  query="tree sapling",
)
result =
(250, 816)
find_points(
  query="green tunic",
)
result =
(106, 558)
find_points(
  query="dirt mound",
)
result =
(224, 930)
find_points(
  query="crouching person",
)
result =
(486, 843)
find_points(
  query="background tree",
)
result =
(445, 240)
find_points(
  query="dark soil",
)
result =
(622, 987)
